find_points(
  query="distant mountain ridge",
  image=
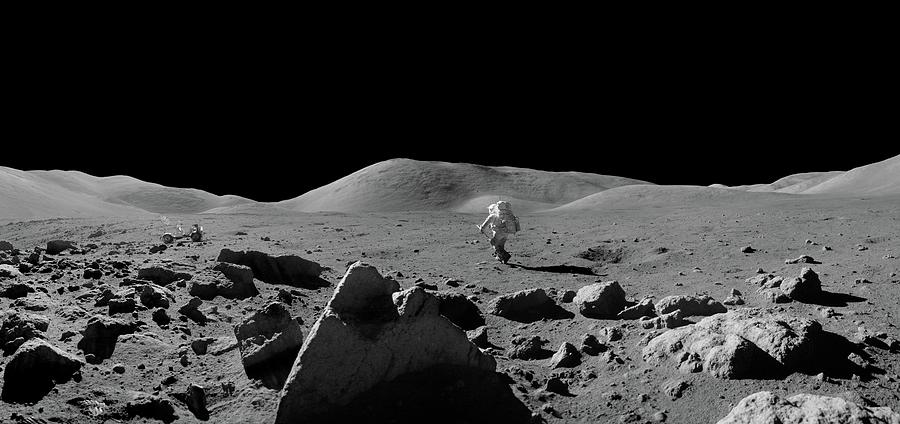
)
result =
(409, 185)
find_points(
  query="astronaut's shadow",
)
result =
(557, 269)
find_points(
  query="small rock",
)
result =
(674, 388)
(591, 346)
(802, 259)
(600, 300)
(747, 249)
(119, 368)
(161, 317)
(479, 337)
(528, 348)
(566, 357)
(556, 385)
(611, 334)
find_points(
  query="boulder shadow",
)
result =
(830, 356)
(557, 269)
(273, 373)
(832, 299)
(550, 311)
(440, 394)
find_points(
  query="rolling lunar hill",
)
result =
(880, 178)
(404, 184)
(44, 194)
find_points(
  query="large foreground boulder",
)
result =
(690, 305)
(744, 343)
(600, 300)
(767, 407)
(376, 352)
(35, 368)
(269, 340)
(289, 269)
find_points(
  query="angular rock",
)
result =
(289, 269)
(528, 348)
(766, 407)
(20, 327)
(674, 388)
(192, 311)
(760, 279)
(460, 310)
(121, 305)
(479, 337)
(101, 334)
(556, 385)
(160, 317)
(150, 406)
(162, 276)
(372, 341)
(154, 296)
(567, 356)
(690, 305)
(672, 319)
(644, 308)
(743, 343)
(611, 334)
(195, 399)
(734, 298)
(35, 368)
(600, 300)
(591, 346)
(56, 247)
(774, 295)
(239, 284)
(747, 249)
(802, 259)
(16, 290)
(525, 303)
(9, 272)
(805, 287)
(269, 341)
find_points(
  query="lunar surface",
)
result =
(376, 298)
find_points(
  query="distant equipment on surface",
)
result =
(195, 235)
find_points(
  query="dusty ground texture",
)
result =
(650, 251)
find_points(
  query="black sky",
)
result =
(271, 118)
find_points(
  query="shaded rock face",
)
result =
(56, 247)
(154, 296)
(460, 310)
(150, 406)
(289, 269)
(690, 305)
(525, 305)
(765, 407)
(644, 308)
(745, 343)
(19, 327)
(35, 368)
(9, 272)
(374, 346)
(101, 335)
(566, 357)
(269, 341)
(238, 284)
(805, 287)
(162, 276)
(529, 348)
(600, 300)
(5, 246)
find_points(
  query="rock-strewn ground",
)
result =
(144, 360)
